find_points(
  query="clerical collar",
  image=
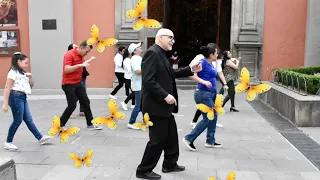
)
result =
(160, 48)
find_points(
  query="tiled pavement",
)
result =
(251, 146)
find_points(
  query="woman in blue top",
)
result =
(205, 94)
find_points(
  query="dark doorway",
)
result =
(196, 23)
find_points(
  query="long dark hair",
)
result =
(207, 50)
(125, 55)
(14, 61)
(70, 47)
(225, 58)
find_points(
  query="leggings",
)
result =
(231, 93)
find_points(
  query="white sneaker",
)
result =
(131, 126)
(219, 125)
(112, 96)
(94, 127)
(124, 106)
(193, 125)
(45, 139)
(132, 106)
(10, 146)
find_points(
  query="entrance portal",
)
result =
(195, 23)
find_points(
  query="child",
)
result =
(18, 86)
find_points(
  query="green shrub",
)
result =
(299, 77)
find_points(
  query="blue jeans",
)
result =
(136, 108)
(20, 111)
(208, 98)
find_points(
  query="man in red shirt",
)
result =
(73, 64)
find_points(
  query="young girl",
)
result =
(18, 86)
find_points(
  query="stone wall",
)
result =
(301, 110)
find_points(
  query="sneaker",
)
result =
(124, 106)
(132, 106)
(10, 146)
(81, 113)
(215, 145)
(72, 116)
(112, 96)
(193, 125)
(189, 145)
(94, 127)
(45, 139)
(219, 125)
(131, 126)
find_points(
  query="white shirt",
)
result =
(127, 68)
(21, 81)
(118, 58)
(136, 80)
(216, 64)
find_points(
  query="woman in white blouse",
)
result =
(127, 80)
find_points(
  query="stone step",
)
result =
(7, 169)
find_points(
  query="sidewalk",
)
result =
(251, 146)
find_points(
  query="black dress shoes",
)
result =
(176, 168)
(148, 175)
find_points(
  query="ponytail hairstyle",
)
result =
(14, 61)
(207, 50)
(224, 59)
(125, 55)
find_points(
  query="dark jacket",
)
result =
(158, 80)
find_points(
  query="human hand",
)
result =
(170, 99)
(208, 84)
(5, 108)
(225, 87)
(195, 65)
(85, 64)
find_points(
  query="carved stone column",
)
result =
(250, 37)
(125, 33)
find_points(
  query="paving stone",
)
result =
(280, 176)
(251, 146)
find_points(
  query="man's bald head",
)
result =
(165, 39)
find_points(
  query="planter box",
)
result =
(7, 169)
(304, 111)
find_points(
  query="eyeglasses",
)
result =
(170, 37)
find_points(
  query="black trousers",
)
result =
(231, 93)
(163, 136)
(132, 95)
(121, 81)
(75, 92)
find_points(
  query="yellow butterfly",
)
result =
(212, 178)
(95, 38)
(115, 114)
(137, 13)
(78, 162)
(146, 122)
(64, 134)
(252, 91)
(231, 176)
(217, 107)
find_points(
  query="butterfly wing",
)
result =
(231, 176)
(94, 35)
(112, 105)
(106, 43)
(244, 81)
(258, 89)
(210, 114)
(218, 105)
(77, 160)
(138, 25)
(203, 108)
(146, 119)
(151, 23)
(132, 14)
(87, 158)
(141, 126)
(67, 133)
(119, 115)
(55, 126)
(105, 120)
(141, 5)
(212, 178)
